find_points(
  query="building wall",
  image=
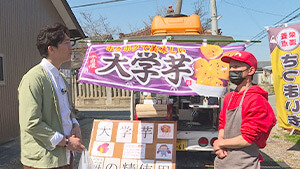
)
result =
(257, 78)
(20, 22)
(268, 76)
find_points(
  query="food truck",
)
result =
(176, 74)
(196, 115)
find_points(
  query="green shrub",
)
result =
(293, 138)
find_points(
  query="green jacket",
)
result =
(39, 118)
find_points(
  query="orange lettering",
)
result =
(127, 48)
(181, 50)
(172, 51)
(110, 48)
(145, 47)
(134, 48)
(118, 49)
(163, 49)
(154, 48)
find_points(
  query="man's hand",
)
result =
(75, 144)
(76, 130)
(221, 153)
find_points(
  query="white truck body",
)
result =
(197, 121)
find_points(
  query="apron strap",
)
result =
(241, 99)
(244, 95)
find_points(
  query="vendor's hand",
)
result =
(76, 130)
(221, 153)
(217, 145)
(75, 144)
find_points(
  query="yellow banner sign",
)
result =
(285, 50)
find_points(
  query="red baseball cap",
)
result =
(242, 56)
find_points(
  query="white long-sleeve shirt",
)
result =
(64, 105)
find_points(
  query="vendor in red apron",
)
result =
(246, 118)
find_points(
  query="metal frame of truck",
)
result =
(192, 136)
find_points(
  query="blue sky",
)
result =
(241, 19)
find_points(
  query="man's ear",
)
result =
(251, 71)
(50, 49)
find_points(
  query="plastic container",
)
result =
(182, 25)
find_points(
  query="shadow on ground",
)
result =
(296, 147)
(268, 162)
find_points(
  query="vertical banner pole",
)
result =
(132, 107)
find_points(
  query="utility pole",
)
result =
(214, 20)
(178, 7)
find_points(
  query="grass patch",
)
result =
(293, 138)
(275, 136)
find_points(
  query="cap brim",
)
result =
(226, 59)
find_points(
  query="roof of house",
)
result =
(69, 18)
(262, 64)
(267, 68)
(143, 32)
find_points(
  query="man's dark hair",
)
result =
(248, 67)
(50, 35)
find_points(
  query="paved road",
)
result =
(272, 101)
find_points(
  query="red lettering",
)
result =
(188, 82)
(284, 43)
(145, 47)
(154, 48)
(283, 35)
(292, 34)
(292, 42)
(92, 62)
(163, 49)
(110, 48)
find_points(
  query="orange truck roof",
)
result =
(188, 25)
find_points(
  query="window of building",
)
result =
(1, 70)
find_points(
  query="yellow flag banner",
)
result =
(285, 50)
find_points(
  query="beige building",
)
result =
(263, 73)
(20, 22)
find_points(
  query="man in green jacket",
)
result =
(49, 131)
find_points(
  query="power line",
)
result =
(251, 9)
(263, 34)
(287, 16)
(99, 3)
(120, 4)
(298, 15)
(249, 13)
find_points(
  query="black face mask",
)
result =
(236, 77)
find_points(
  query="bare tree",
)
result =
(159, 12)
(199, 10)
(98, 29)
